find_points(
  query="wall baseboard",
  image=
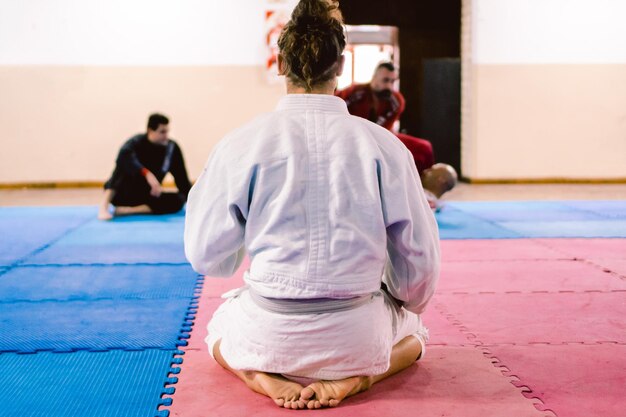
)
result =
(98, 184)
(545, 181)
(68, 184)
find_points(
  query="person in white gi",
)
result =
(329, 207)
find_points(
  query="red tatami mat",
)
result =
(587, 248)
(615, 266)
(525, 276)
(451, 381)
(540, 318)
(572, 380)
(551, 311)
(497, 249)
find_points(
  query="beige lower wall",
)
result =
(546, 121)
(66, 124)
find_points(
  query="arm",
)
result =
(412, 269)
(397, 105)
(129, 163)
(215, 220)
(127, 158)
(179, 172)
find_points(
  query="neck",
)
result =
(325, 88)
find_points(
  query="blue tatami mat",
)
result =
(127, 240)
(122, 253)
(609, 209)
(81, 384)
(502, 211)
(27, 229)
(457, 224)
(532, 219)
(570, 229)
(94, 325)
(37, 283)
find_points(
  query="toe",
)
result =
(333, 403)
(279, 402)
(307, 393)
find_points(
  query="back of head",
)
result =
(155, 120)
(312, 42)
(439, 178)
(386, 65)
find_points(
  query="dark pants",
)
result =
(166, 203)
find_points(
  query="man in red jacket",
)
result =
(376, 100)
(379, 103)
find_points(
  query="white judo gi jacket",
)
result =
(326, 205)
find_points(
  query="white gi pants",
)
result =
(311, 346)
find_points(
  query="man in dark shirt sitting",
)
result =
(142, 163)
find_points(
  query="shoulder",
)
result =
(398, 97)
(385, 139)
(174, 144)
(238, 140)
(354, 89)
(135, 140)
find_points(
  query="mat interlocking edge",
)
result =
(548, 261)
(96, 384)
(452, 333)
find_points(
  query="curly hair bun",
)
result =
(312, 42)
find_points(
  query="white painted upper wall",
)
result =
(133, 32)
(549, 31)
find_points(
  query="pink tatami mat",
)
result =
(551, 311)
(615, 266)
(451, 381)
(539, 318)
(587, 248)
(526, 276)
(571, 380)
(496, 249)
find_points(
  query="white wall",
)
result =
(78, 77)
(544, 89)
(132, 32)
(549, 31)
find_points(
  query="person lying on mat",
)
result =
(344, 247)
(378, 102)
(142, 163)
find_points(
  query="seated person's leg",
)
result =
(103, 211)
(166, 203)
(330, 393)
(129, 195)
(409, 346)
(130, 201)
(128, 210)
(421, 149)
(284, 392)
(408, 343)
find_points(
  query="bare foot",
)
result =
(330, 393)
(284, 392)
(128, 210)
(104, 214)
